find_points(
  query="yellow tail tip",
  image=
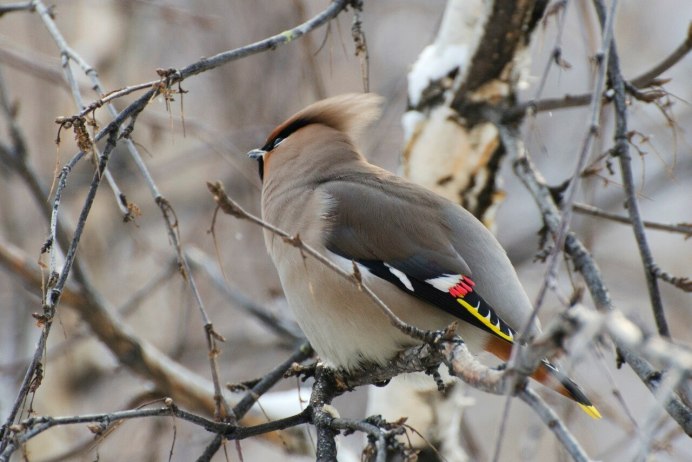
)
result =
(591, 410)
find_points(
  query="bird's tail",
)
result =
(549, 375)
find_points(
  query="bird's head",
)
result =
(321, 125)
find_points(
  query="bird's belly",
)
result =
(344, 325)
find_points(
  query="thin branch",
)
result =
(361, 44)
(113, 127)
(206, 64)
(669, 61)
(374, 431)
(552, 421)
(452, 351)
(33, 374)
(625, 333)
(17, 6)
(573, 186)
(683, 283)
(32, 427)
(622, 152)
(34, 64)
(166, 209)
(302, 353)
(587, 266)
(211, 448)
(569, 101)
(559, 10)
(680, 228)
(138, 355)
(68, 54)
(287, 330)
(222, 410)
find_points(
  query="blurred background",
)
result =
(230, 110)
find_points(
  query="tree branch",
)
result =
(58, 280)
(587, 266)
(621, 151)
(644, 80)
(680, 228)
(570, 194)
(17, 6)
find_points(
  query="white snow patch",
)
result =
(434, 63)
(410, 121)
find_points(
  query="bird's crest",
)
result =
(350, 113)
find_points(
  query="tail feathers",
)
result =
(549, 375)
(567, 387)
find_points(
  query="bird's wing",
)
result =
(403, 242)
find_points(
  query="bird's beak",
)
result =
(256, 154)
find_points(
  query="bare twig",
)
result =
(361, 45)
(669, 61)
(287, 330)
(17, 6)
(34, 64)
(621, 151)
(559, 10)
(264, 384)
(655, 349)
(57, 283)
(683, 283)
(452, 352)
(211, 448)
(168, 78)
(552, 421)
(32, 427)
(206, 64)
(587, 266)
(375, 432)
(222, 409)
(32, 377)
(68, 54)
(572, 188)
(314, 72)
(568, 101)
(302, 353)
(680, 228)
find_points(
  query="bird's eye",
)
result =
(277, 142)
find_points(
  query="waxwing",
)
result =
(431, 261)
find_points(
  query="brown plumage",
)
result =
(427, 258)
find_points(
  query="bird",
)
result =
(427, 258)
